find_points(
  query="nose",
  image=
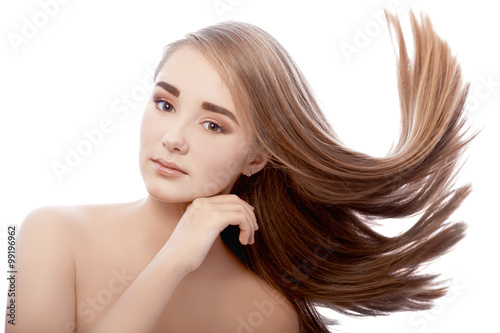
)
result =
(174, 140)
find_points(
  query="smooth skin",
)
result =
(158, 264)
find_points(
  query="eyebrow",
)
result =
(168, 87)
(219, 109)
(205, 105)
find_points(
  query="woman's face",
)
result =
(192, 124)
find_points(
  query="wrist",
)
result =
(173, 262)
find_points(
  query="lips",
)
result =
(169, 166)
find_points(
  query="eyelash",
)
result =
(157, 102)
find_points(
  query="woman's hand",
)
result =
(203, 221)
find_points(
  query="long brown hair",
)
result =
(316, 200)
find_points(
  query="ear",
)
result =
(257, 160)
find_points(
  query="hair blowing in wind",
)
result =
(317, 200)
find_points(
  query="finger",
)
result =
(230, 202)
(238, 207)
(249, 213)
(245, 226)
(249, 208)
(221, 198)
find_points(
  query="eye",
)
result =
(213, 127)
(164, 106)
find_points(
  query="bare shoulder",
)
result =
(264, 309)
(50, 219)
(47, 243)
(64, 223)
(49, 231)
(45, 263)
(282, 315)
(53, 222)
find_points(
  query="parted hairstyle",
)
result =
(317, 201)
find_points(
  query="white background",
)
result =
(86, 57)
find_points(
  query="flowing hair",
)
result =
(317, 201)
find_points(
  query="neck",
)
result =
(159, 212)
(164, 216)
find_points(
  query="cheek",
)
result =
(148, 131)
(221, 166)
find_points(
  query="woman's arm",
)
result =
(45, 288)
(140, 306)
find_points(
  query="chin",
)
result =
(169, 194)
(182, 193)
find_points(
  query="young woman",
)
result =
(256, 212)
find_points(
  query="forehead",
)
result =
(190, 72)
